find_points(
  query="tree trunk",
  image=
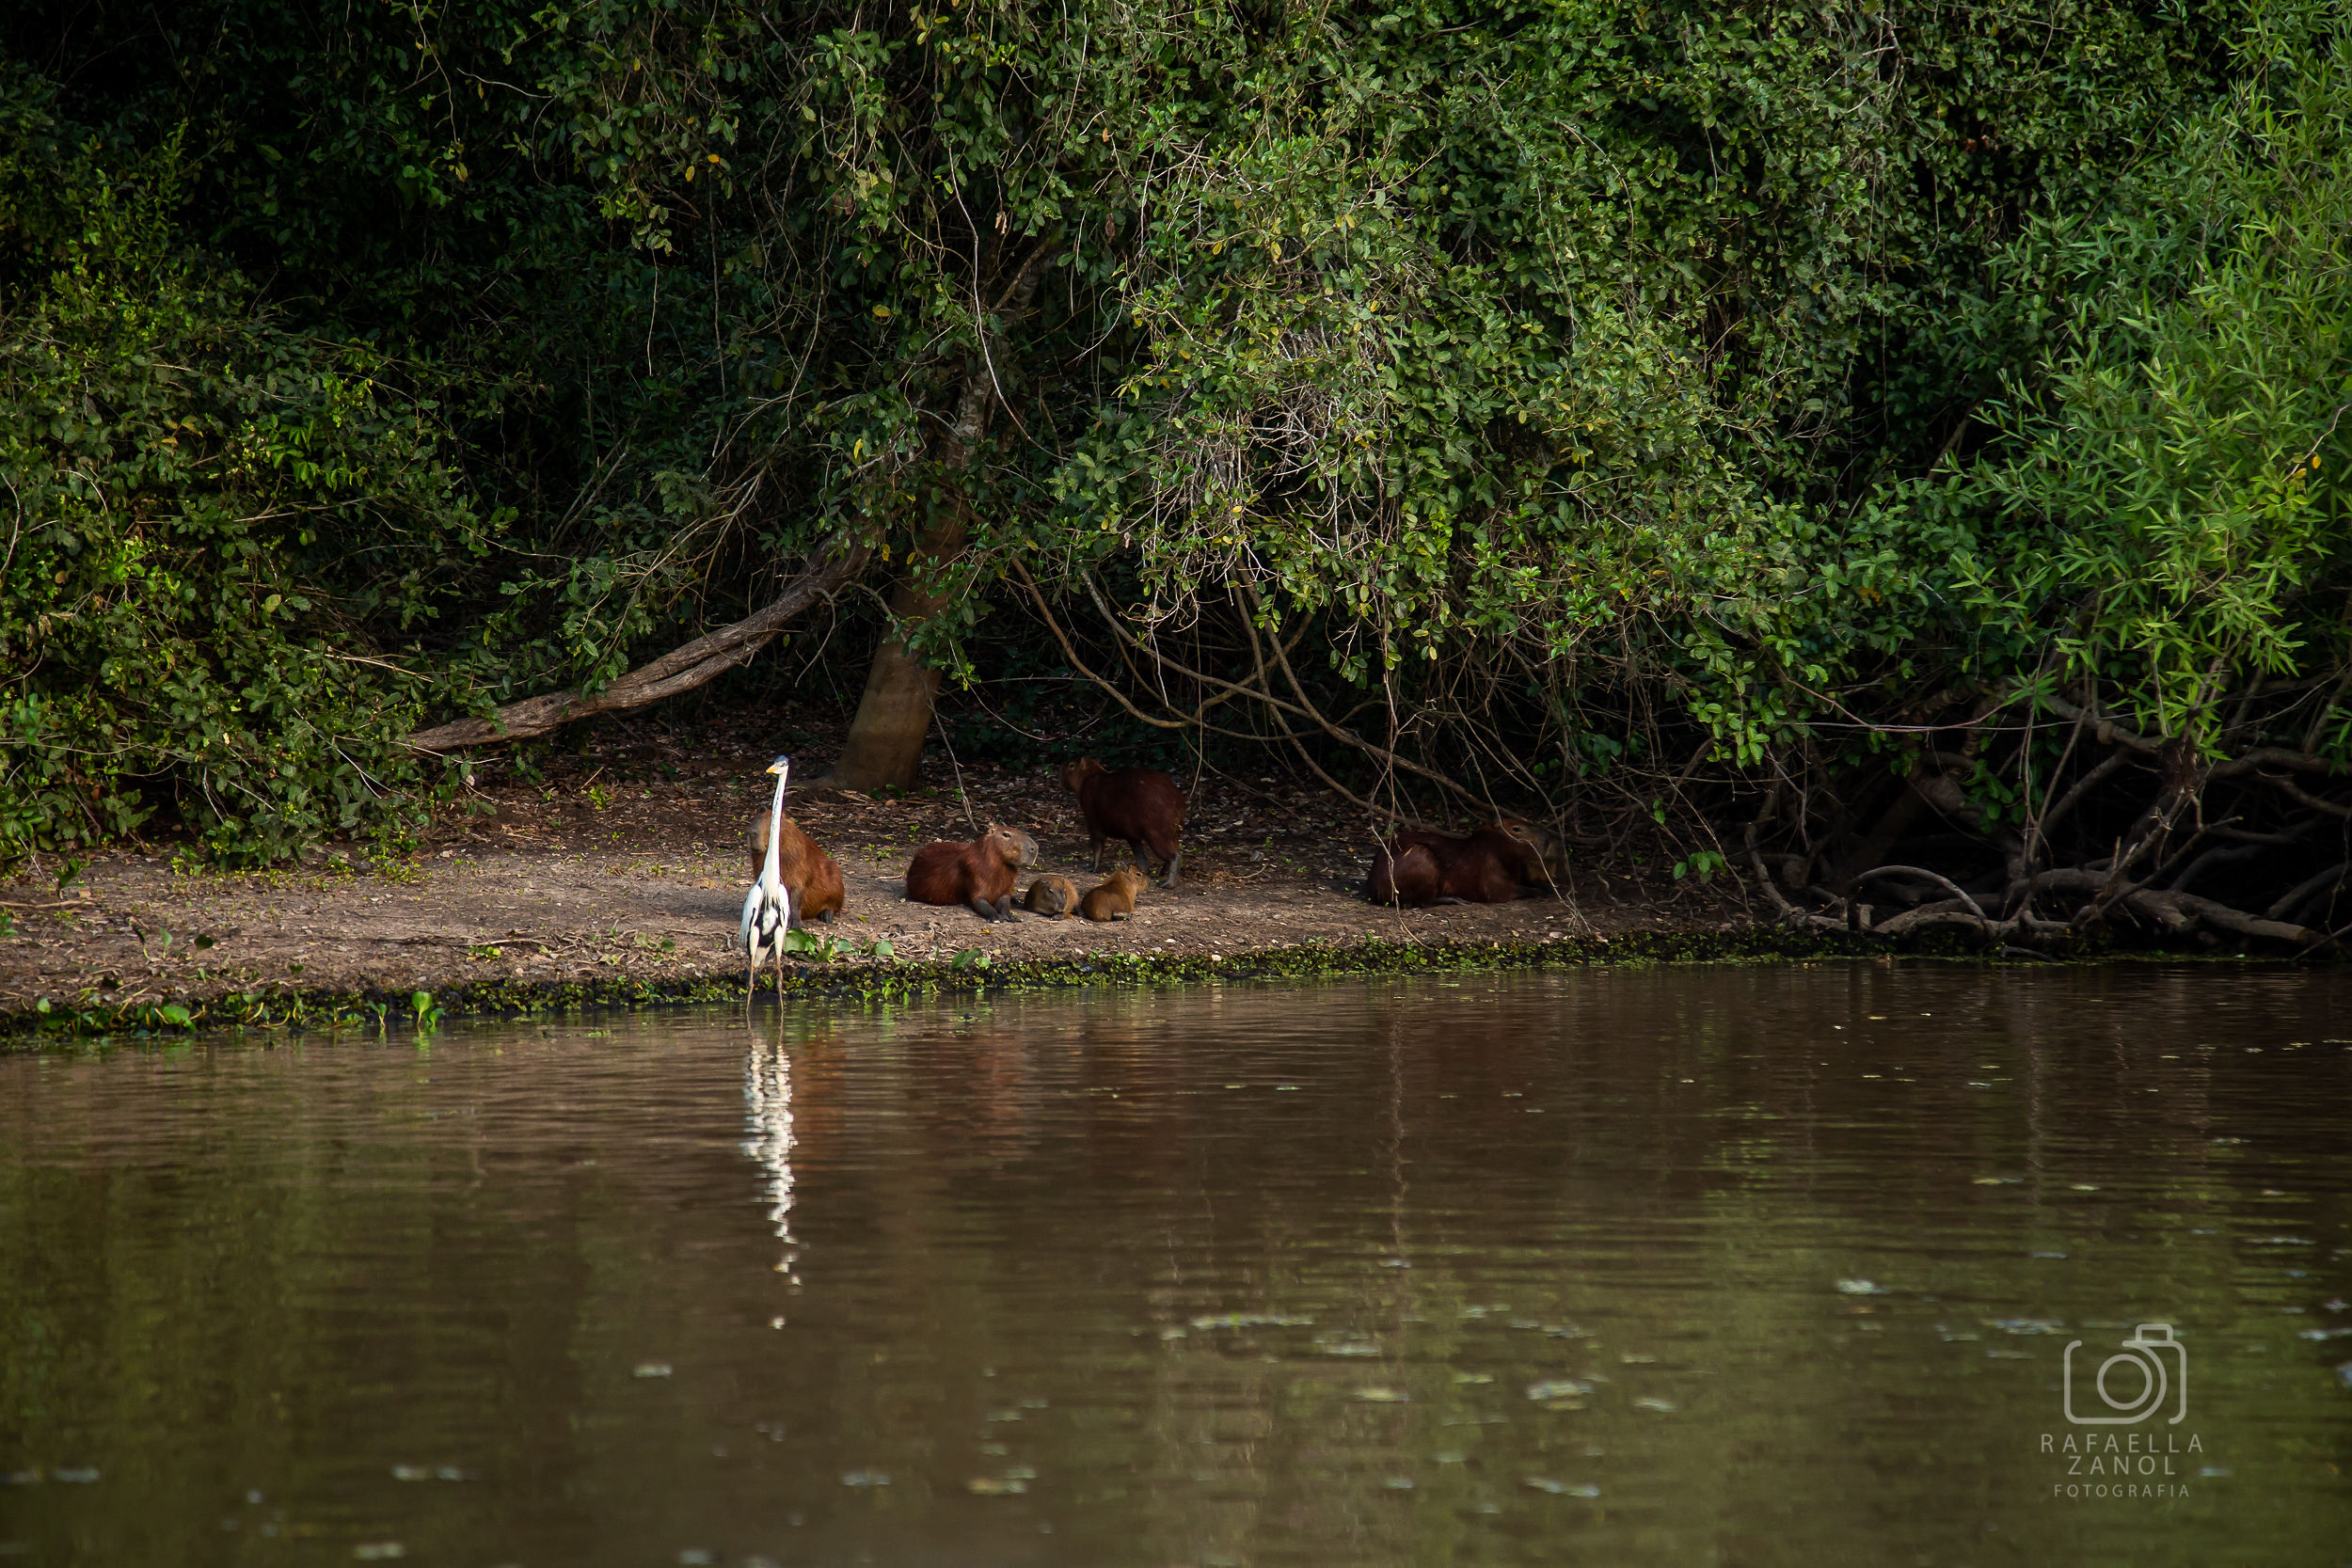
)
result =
(886, 744)
(894, 717)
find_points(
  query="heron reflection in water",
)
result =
(767, 1099)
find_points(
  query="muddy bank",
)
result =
(616, 884)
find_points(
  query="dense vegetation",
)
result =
(1895, 450)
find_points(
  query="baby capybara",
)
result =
(1054, 898)
(1418, 867)
(1114, 898)
(1141, 805)
(815, 881)
(978, 874)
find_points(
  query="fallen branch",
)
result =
(2327, 881)
(2175, 910)
(1949, 913)
(1944, 882)
(680, 670)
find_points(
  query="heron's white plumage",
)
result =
(768, 907)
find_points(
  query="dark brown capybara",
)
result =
(1141, 805)
(1114, 898)
(1404, 874)
(1418, 867)
(818, 890)
(1054, 898)
(978, 874)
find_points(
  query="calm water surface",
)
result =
(1679, 1266)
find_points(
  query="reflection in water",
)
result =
(768, 1095)
(1744, 1267)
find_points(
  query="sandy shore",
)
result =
(615, 883)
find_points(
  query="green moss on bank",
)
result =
(285, 1007)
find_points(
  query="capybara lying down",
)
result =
(1054, 898)
(1114, 898)
(978, 874)
(815, 881)
(1418, 867)
(1141, 805)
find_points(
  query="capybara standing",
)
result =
(978, 874)
(1418, 867)
(1114, 898)
(818, 890)
(1054, 898)
(1141, 805)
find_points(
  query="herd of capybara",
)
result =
(1145, 807)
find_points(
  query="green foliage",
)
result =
(2164, 514)
(186, 479)
(1553, 371)
(1557, 348)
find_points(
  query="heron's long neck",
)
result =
(775, 833)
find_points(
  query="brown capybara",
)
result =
(978, 874)
(1141, 805)
(1054, 898)
(1404, 874)
(1114, 898)
(806, 870)
(1418, 867)
(1543, 851)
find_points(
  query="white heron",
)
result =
(767, 907)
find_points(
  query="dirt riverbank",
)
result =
(628, 875)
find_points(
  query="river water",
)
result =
(1708, 1266)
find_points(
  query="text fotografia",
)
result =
(2148, 1377)
(2123, 1464)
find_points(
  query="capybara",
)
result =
(1114, 898)
(818, 890)
(1418, 867)
(1141, 805)
(1404, 874)
(1545, 852)
(1054, 898)
(978, 874)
